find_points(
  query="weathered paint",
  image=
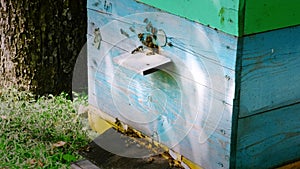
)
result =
(187, 105)
(261, 16)
(97, 123)
(267, 123)
(222, 15)
(269, 139)
(270, 66)
(235, 17)
(235, 100)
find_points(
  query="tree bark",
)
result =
(40, 41)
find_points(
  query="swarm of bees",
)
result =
(149, 41)
(135, 138)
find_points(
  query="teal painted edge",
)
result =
(222, 15)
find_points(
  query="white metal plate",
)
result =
(141, 62)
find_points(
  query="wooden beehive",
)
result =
(221, 90)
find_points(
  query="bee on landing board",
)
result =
(138, 49)
(149, 41)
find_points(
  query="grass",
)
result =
(39, 133)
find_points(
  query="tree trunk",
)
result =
(40, 41)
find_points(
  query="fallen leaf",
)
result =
(40, 163)
(59, 144)
(32, 161)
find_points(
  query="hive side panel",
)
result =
(268, 131)
(271, 64)
(187, 104)
(270, 139)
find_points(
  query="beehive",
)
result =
(222, 88)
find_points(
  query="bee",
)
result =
(124, 33)
(132, 29)
(149, 41)
(146, 20)
(97, 38)
(150, 160)
(138, 49)
(118, 122)
(96, 4)
(153, 39)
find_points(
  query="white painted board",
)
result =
(141, 62)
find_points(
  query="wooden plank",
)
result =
(187, 105)
(270, 139)
(214, 153)
(84, 164)
(114, 7)
(75, 166)
(216, 61)
(214, 147)
(270, 68)
(133, 23)
(198, 147)
(259, 16)
(222, 15)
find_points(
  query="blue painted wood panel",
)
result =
(187, 105)
(270, 71)
(270, 139)
(268, 120)
(118, 8)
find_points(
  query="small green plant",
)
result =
(39, 133)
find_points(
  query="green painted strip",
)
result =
(235, 17)
(222, 15)
(267, 15)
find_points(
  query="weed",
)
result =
(39, 133)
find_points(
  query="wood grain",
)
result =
(194, 96)
(188, 103)
(268, 121)
(269, 139)
(270, 69)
